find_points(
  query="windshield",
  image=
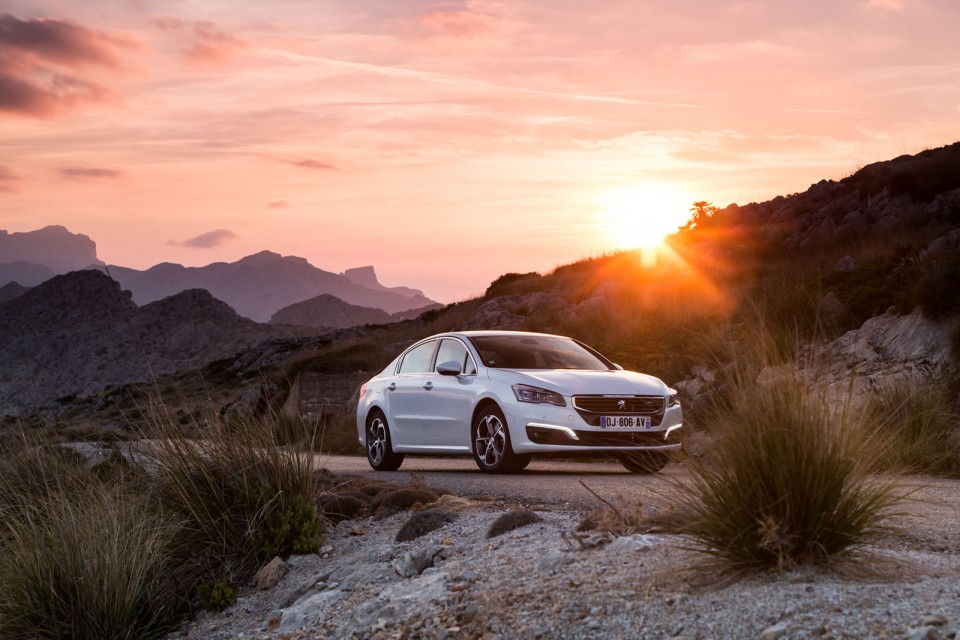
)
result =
(538, 352)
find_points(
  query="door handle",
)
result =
(392, 386)
(428, 386)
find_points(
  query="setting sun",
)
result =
(641, 216)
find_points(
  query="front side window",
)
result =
(417, 360)
(538, 352)
(453, 351)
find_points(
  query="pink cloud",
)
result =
(202, 43)
(42, 57)
(278, 204)
(309, 163)
(64, 43)
(207, 240)
(90, 173)
(8, 179)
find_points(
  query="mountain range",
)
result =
(256, 287)
(260, 285)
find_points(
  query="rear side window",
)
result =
(418, 359)
(453, 351)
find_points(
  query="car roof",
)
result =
(491, 333)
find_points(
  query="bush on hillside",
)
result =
(515, 283)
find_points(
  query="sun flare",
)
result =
(641, 216)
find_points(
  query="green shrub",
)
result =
(216, 595)
(917, 423)
(87, 562)
(787, 483)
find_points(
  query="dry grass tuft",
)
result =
(788, 484)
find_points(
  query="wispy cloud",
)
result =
(884, 5)
(42, 59)
(91, 173)
(8, 179)
(309, 163)
(207, 240)
(278, 204)
(202, 43)
(440, 78)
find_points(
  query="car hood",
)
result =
(576, 382)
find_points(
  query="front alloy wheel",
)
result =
(491, 444)
(380, 454)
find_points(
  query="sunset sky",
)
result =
(447, 142)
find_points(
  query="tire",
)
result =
(645, 461)
(492, 450)
(380, 452)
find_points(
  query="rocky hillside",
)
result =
(329, 312)
(80, 332)
(258, 286)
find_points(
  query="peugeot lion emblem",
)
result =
(621, 404)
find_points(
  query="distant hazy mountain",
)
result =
(260, 285)
(367, 277)
(79, 333)
(28, 274)
(329, 312)
(54, 247)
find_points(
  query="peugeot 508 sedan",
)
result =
(506, 396)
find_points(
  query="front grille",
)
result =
(635, 405)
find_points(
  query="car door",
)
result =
(405, 394)
(448, 399)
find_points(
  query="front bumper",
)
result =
(545, 429)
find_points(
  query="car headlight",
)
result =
(673, 400)
(526, 393)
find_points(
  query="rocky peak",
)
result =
(76, 296)
(54, 246)
(365, 276)
(195, 305)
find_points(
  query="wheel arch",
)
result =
(483, 404)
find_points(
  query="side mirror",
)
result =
(451, 368)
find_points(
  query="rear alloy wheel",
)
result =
(491, 444)
(644, 461)
(380, 452)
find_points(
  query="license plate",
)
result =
(625, 422)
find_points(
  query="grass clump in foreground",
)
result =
(786, 485)
(123, 555)
(81, 558)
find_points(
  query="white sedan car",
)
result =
(506, 396)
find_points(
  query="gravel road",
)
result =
(550, 482)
